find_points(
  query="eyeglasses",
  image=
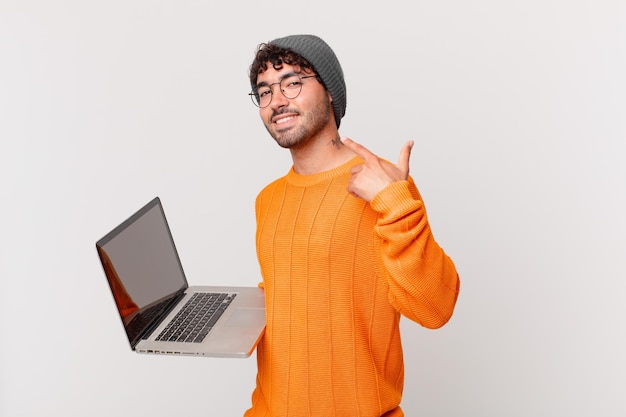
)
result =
(290, 86)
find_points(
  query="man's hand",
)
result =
(369, 178)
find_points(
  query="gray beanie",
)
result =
(325, 63)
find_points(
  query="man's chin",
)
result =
(286, 143)
(286, 139)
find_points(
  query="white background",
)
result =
(518, 111)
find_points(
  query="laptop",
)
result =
(160, 312)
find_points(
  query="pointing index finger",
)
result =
(358, 149)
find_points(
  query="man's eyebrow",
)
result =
(282, 77)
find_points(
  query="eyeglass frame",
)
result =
(254, 94)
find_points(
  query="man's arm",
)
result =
(423, 281)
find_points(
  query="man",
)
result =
(344, 247)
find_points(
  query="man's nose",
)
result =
(278, 98)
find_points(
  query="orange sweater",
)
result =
(337, 273)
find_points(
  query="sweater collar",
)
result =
(298, 180)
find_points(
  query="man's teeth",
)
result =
(283, 120)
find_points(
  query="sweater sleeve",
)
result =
(422, 279)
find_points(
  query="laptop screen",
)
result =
(143, 268)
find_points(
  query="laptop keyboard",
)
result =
(196, 319)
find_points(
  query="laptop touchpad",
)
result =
(247, 317)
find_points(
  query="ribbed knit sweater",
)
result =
(337, 273)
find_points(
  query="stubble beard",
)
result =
(311, 124)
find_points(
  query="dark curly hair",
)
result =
(277, 56)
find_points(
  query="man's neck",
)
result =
(320, 154)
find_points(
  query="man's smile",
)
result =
(283, 119)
